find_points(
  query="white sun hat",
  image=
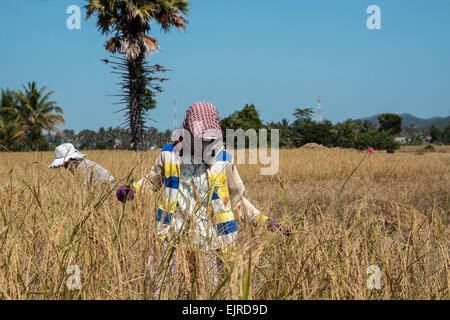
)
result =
(64, 153)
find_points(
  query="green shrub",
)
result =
(379, 140)
(417, 140)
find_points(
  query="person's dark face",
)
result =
(71, 165)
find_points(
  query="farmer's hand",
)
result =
(126, 192)
(275, 226)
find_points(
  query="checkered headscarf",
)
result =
(202, 120)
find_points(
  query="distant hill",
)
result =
(409, 119)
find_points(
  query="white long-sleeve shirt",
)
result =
(95, 172)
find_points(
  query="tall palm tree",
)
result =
(36, 112)
(128, 21)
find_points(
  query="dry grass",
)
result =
(393, 212)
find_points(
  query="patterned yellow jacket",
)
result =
(226, 189)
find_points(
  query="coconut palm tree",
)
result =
(128, 21)
(11, 131)
(303, 114)
(8, 101)
(7, 98)
(36, 112)
(12, 134)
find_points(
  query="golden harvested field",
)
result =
(393, 213)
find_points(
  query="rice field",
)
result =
(392, 217)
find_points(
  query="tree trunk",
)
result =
(30, 138)
(136, 87)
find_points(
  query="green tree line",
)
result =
(108, 139)
(31, 120)
(347, 134)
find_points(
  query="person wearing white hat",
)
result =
(66, 155)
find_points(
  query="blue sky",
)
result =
(279, 55)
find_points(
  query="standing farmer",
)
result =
(200, 183)
(66, 155)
